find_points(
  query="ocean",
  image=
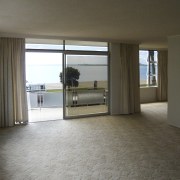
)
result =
(50, 73)
(143, 72)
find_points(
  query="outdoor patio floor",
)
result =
(49, 114)
(45, 114)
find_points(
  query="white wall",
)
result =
(148, 94)
(174, 81)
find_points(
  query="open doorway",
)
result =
(43, 86)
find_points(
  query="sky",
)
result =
(143, 55)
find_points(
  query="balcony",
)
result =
(46, 105)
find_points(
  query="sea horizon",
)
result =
(88, 72)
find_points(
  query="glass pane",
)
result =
(86, 46)
(152, 80)
(51, 44)
(156, 56)
(86, 84)
(44, 90)
(152, 68)
(148, 68)
(143, 67)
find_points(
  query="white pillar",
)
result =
(174, 81)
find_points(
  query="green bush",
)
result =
(72, 77)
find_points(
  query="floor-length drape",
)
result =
(162, 75)
(13, 102)
(125, 93)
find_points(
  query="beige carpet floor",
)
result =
(130, 147)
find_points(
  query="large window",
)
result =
(148, 67)
(69, 77)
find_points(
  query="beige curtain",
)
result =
(13, 103)
(125, 92)
(162, 75)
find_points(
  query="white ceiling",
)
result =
(148, 22)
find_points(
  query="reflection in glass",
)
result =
(86, 93)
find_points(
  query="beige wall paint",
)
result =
(148, 94)
(174, 81)
(114, 76)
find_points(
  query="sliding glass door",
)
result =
(66, 79)
(85, 79)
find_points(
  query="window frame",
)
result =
(79, 52)
(150, 63)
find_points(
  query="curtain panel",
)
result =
(162, 75)
(125, 92)
(13, 102)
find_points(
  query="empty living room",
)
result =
(89, 90)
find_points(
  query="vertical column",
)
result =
(114, 79)
(174, 81)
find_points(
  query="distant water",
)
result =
(50, 73)
(143, 72)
